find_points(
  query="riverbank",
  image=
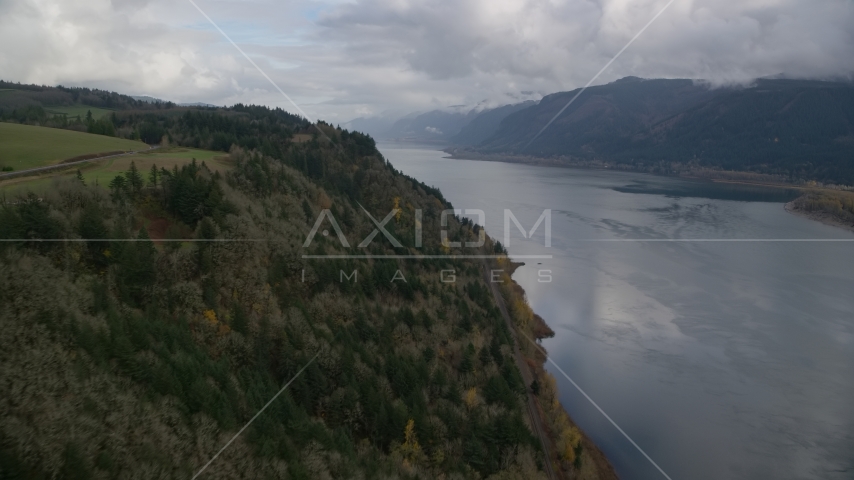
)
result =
(665, 337)
(572, 453)
(828, 209)
(829, 204)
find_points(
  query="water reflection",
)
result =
(723, 360)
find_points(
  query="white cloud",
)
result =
(343, 59)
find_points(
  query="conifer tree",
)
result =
(92, 228)
(134, 178)
(136, 267)
(118, 187)
(152, 176)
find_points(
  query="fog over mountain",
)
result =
(436, 126)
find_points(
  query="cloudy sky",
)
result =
(344, 59)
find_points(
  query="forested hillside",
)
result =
(78, 109)
(147, 320)
(796, 129)
(486, 124)
(112, 114)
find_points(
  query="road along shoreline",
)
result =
(570, 452)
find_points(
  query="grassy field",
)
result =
(103, 171)
(26, 146)
(78, 110)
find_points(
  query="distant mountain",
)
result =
(797, 128)
(436, 126)
(486, 124)
(376, 127)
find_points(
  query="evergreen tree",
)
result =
(136, 268)
(134, 178)
(467, 364)
(92, 228)
(118, 188)
(152, 176)
(306, 209)
(238, 320)
(74, 465)
(102, 126)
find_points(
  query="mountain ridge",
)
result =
(800, 129)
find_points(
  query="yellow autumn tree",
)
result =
(522, 312)
(410, 450)
(397, 207)
(568, 439)
(470, 398)
(549, 393)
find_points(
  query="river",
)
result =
(721, 358)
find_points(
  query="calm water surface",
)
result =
(720, 359)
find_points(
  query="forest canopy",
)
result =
(179, 301)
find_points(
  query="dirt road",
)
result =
(31, 171)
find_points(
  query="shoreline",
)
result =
(705, 175)
(713, 176)
(819, 216)
(534, 360)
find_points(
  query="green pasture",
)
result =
(26, 146)
(101, 172)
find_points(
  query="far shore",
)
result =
(709, 175)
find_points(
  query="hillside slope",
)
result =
(190, 297)
(486, 124)
(803, 130)
(28, 146)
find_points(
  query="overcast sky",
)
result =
(343, 59)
